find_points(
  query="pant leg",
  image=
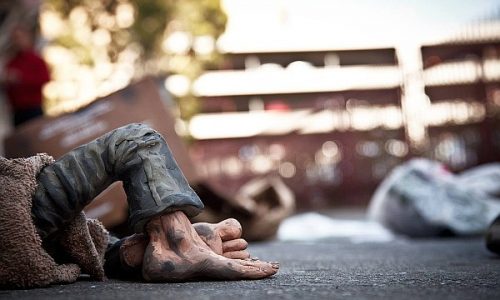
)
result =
(134, 154)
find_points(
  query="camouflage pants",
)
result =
(134, 154)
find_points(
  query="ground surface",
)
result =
(329, 269)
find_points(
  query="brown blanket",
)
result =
(24, 262)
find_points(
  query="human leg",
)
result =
(135, 154)
(24, 115)
(156, 190)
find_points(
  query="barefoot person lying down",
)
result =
(46, 239)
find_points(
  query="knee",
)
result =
(138, 132)
(127, 141)
(137, 127)
(131, 138)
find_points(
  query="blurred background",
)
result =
(327, 95)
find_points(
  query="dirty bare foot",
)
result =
(132, 250)
(224, 238)
(176, 252)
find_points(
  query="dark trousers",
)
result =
(135, 154)
(24, 115)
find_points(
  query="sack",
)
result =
(421, 198)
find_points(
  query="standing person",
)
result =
(44, 238)
(24, 76)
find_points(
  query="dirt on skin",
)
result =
(176, 250)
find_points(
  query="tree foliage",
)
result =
(109, 31)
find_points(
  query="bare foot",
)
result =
(224, 238)
(132, 251)
(176, 252)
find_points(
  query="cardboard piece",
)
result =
(260, 205)
(138, 103)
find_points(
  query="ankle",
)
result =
(132, 250)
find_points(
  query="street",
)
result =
(335, 268)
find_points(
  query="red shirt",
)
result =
(32, 73)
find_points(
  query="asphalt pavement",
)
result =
(328, 269)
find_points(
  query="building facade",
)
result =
(332, 123)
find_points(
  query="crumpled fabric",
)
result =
(421, 198)
(24, 261)
(137, 155)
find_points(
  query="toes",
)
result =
(208, 234)
(205, 230)
(253, 269)
(229, 229)
(242, 254)
(234, 245)
(252, 261)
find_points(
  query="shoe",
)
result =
(493, 236)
